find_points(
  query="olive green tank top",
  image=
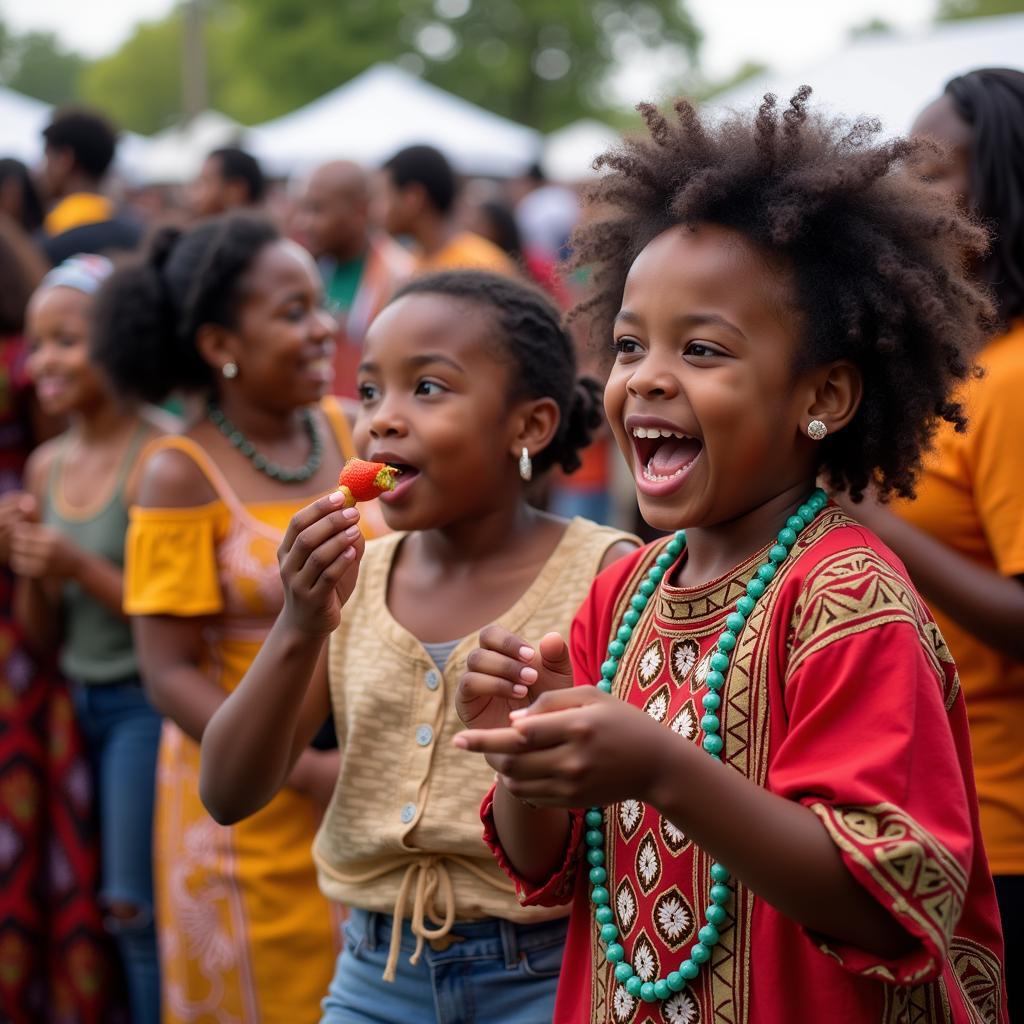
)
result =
(97, 644)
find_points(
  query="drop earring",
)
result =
(816, 430)
(526, 465)
(229, 371)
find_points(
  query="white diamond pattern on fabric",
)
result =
(657, 706)
(625, 905)
(683, 657)
(631, 813)
(680, 1009)
(651, 662)
(648, 864)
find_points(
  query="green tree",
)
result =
(37, 65)
(952, 10)
(541, 62)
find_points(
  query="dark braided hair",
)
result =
(876, 259)
(147, 314)
(540, 350)
(991, 101)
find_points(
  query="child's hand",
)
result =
(504, 674)
(577, 748)
(15, 507)
(38, 552)
(319, 559)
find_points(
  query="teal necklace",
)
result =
(260, 462)
(720, 893)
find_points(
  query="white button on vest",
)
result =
(408, 813)
(432, 679)
(424, 735)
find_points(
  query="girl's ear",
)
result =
(836, 395)
(536, 423)
(218, 345)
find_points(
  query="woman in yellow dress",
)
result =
(231, 312)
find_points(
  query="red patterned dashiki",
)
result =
(842, 695)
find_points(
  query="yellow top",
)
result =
(467, 251)
(403, 833)
(236, 907)
(971, 497)
(77, 210)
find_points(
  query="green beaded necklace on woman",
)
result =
(720, 893)
(238, 440)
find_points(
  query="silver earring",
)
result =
(816, 430)
(526, 465)
(229, 371)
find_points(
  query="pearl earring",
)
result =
(229, 371)
(816, 430)
(526, 465)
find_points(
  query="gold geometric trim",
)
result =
(921, 877)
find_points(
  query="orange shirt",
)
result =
(467, 251)
(971, 497)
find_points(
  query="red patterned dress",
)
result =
(55, 959)
(842, 695)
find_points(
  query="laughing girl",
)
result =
(779, 816)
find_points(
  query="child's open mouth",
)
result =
(404, 477)
(663, 458)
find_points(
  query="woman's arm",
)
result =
(259, 734)
(985, 603)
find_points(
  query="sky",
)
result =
(783, 33)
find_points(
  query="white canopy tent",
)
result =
(22, 120)
(569, 153)
(174, 156)
(383, 109)
(893, 75)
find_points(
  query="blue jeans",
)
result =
(122, 733)
(498, 972)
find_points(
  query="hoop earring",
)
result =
(229, 371)
(816, 430)
(526, 465)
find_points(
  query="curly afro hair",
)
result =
(877, 260)
(532, 340)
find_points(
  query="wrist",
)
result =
(672, 760)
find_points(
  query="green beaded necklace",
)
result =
(260, 462)
(715, 915)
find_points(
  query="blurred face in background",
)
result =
(334, 212)
(395, 208)
(948, 172)
(54, 175)
(212, 194)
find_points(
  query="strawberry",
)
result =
(364, 481)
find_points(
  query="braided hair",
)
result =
(539, 349)
(876, 259)
(148, 313)
(991, 101)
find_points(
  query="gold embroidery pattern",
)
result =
(845, 594)
(916, 1004)
(940, 657)
(855, 590)
(979, 978)
(919, 875)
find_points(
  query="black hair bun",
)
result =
(585, 417)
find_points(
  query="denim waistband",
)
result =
(493, 935)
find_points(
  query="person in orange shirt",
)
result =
(418, 189)
(963, 538)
